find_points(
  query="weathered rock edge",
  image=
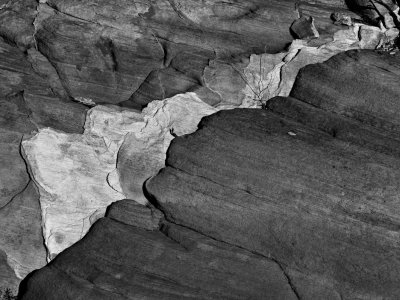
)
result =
(150, 258)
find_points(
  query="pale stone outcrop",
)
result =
(268, 75)
(143, 152)
(76, 173)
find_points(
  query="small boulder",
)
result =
(304, 28)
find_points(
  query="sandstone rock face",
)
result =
(21, 232)
(27, 102)
(315, 189)
(143, 152)
(79, 175)
(308, 187)
(252, 83)
(141, 51)
(370, 98)
(140, 261)
(54, 54)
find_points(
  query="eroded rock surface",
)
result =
(130, 53)
(143, 152)
(79, 175)
(135, 52)
(27, 103)
(316, 189)
(309, 187)
(253, 82)
(142, 261)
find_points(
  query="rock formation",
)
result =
(167, 263)
(315, 187)
(78, 175)
(306, 190)
(74, 77)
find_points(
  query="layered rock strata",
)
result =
(315, 187)
(148, 257)
(56, 53)
(309, 186)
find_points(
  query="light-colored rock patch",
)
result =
(270, 75)
(76, 173)
(143, 152)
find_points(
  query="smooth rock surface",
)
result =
(132, 213)
(317, 205)
(315, 189)
(72, 174)
(119, 261)
(370, 97)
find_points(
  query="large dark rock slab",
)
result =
(311, 183)
(360, 84)
(119, 261)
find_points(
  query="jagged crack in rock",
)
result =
(78, 175)
(312, 183)
(268, 75)
(142, 154)
(55, 53)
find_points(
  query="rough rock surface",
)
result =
(140, 261)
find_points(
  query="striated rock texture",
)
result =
(54, 54)
(148, 260)
(135, 52)
(79, 175)
(27, 102)
(309, 187)
(251, 83)
(315, 189)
